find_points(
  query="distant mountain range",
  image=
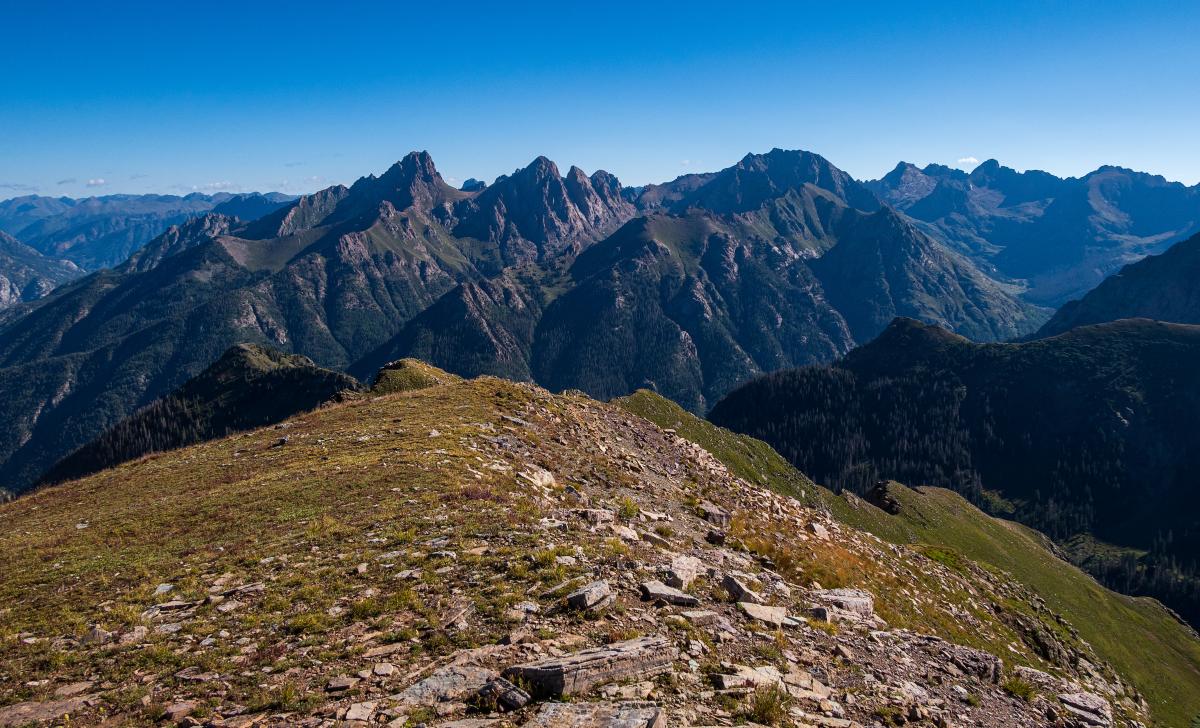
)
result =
(100, 232)
(571, 280)
(1092, 434)
(1061, 237)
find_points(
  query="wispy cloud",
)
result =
(17, 187)
(220, 186)
(97, 182)
(293, 164)
(68, 181)
(967, 162)
(305, 184)
(138, 176)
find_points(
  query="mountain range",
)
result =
(101, 232)
(1089, 436)
(1059, 237)
(573, 281)
(568, 279)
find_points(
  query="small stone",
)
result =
(134, 636)
(592, 597)
(502, 694)
(383, 669)
(715, 514)
(178, 711)
(97, 635)
(683, 571)
(702, 617)
(74, 688)
(163, 589)
(340, 683)
(843, 652)
(739, 591)
(771, 616)
(362, 711)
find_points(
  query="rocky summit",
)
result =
(484, 553)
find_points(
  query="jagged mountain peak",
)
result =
(414, 181)
(536, 213)
(759, 178)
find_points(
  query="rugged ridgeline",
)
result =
(27, 275)
(778, 261)
(568, 280)
(1092, 433)
(486, 550)
(100, 232)
(1060, 236)
(1160, 287)
(248, 387)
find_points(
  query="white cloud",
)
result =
(97, 182)
(68, 181)
(967, 162)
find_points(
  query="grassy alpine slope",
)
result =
(1140, 637)
(394, 541)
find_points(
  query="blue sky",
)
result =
(97, 98)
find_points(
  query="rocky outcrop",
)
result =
(580, 672)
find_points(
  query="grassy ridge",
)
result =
(1139, 637)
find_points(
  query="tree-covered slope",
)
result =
(248, 387)
(1093, 432)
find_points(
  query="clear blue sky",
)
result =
(102, 97)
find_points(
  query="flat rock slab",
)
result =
(576, 674)
(598, 715)
(855, 601)
(21, 714)
(701, 617)
(773, 616)
(450, 683)
(657, 591)
(1091, 709)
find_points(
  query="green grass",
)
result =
(407, 375)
